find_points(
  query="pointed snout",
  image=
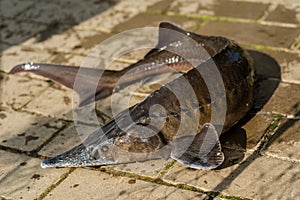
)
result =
(76, 157)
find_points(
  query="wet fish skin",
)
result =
(125, 144)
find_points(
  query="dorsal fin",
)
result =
(167, 34)
(174, 27)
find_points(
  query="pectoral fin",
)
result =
(202, 151)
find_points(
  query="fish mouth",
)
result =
(76, 157)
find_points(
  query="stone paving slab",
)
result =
(87, 184)
(69, 41)
(234, 9)
(67, 11)
(61, 98)
(248, 135)
(285, 142)
(24, 131)
(3, 46)
(13, 55)
(64, 141)
(16, 91)
(265, 26)
(285, 100)
(289, 64)
(10, 35)
(283, 14)
(257, 177)
(251, 33)
(149, 168)
(240, 9)
(11, 8)
(153, 20)
(21, 177)
(117, 14)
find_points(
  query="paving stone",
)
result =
(65, 140)
(44, 103)
(60, 58)
(252, 33)
(16, 91)
(161, 6)
(193, 7)
(16, 31)
(150, 168)
(240, 9)
(86, 184)
(117, 14)
(256, 177)
(17, 54)
(153, 20)
(21, 177)
(283, 14)
(90, 39)
(265, 177)
(285, 100)
(289, 64)
(70, 41)
(11, 8)
(66, 11)
(3, 46)
(235, 9)
(247, 135)
(66, 106)
(25, 131)
(75, 60)
(286, 140)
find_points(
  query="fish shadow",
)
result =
(267, 78)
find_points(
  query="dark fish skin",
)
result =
(125, 140)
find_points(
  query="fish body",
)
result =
(175, 120)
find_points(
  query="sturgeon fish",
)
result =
(139, 133)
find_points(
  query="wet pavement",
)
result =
(36, 119)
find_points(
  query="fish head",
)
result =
(112, 145)
(136, 143)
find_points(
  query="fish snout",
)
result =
(76, 157)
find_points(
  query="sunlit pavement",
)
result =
(36, 121)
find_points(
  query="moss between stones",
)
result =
(275, 123)
(49, 189)
(233, 197)
(297, 42)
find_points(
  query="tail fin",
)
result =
(89, 83)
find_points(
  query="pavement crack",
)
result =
(267, 137)
(160, 181)
(53, 186)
